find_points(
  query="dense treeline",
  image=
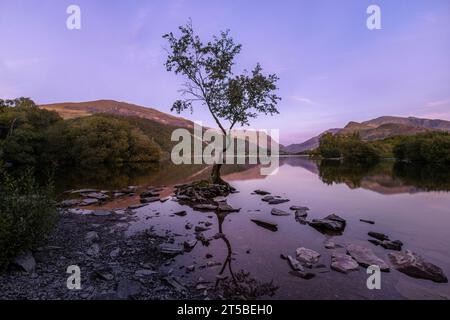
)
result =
(430, 147)
(30, 135)
(351, 148)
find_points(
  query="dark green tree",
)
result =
(207, 67)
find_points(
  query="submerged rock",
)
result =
(298, 208)
(295, 264)
(277, 212)
(415, 266)
(366, 257)
(367, 221)
(181, 213)
(388, 244)
(265, 224)
(378, 236)
(331, 223)
(278, 201)
(261, 192)
(342, 262)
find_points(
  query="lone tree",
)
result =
(207, 67)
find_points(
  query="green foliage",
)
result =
(350, 148)
(27, 214)
(99, 139)
(210, 79)
(432, 147)
(33, 136)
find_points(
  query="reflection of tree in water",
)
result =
(430, 177)
(335, 171)
(241, 285)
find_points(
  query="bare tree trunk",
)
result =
(215, 173)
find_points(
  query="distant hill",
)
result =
(309, 144)
(377, 129)
(69, 110)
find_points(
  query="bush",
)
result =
(27, 214)
(432, 147)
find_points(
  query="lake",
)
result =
(408, 203)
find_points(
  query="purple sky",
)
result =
(332, 68)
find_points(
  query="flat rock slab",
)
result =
(97, 195)
(342, 262)
(295, 264)
(102, 213)
(224, 207)
(205, 207)
(366, 257)
(278, 201)
(307, 256)
(80, 211)
(332, 223)
(261, 192)
(295, 208)
(89, 201)
(278, 212)
(266, 224)
(415, 266)
(378, 236)
(149, 199)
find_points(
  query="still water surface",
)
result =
(411, 204)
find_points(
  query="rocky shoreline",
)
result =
(113, 266)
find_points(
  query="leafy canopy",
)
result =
(211, 82)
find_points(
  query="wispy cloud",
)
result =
(438, 103)
(304, 100)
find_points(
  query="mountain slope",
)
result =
(308, 144)
(70, 110)
(377, 129)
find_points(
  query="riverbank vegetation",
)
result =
(429, 147)
(32, 136)
(27, 214)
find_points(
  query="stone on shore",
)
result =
(366, 257)
(91, 236)
(128, 289)
(415, 266)
(25, 261)
(224, 207)
(205, 207)
(89, 202)
(149, 199)
(295, 264)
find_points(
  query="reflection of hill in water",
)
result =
(386, 177)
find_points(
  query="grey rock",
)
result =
(114, 253)
(144, 273)
(224, 207)
(415, 266)
(181, 213)
(366, 257)
(332, 223)
(80, 211)
(97, 195)
(84, 191)
(89, 201)
(278, 201)
(149, 199)
(220, 199)
(69, 203)
(261, 192)
(298, 208)
(307, 256)
(91, 236)
(101, 213)
(26, 262)
(378, 236)
(277, 212)
(128, 289)
(266, 224)
(301, 214)
(367, 221)
(205, 207)
(295, 264)
(93, 250)
(342, 262)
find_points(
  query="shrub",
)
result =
(27, 214)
